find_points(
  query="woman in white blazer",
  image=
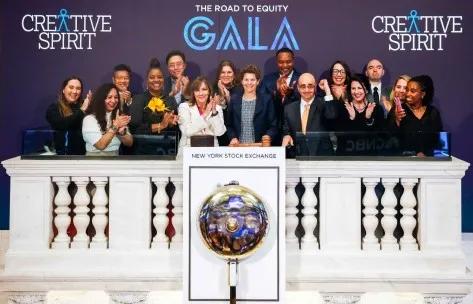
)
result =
(201, 115)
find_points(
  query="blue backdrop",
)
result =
(43, 42)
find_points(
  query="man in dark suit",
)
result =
(376, 90)
(175, 85)
(309, 114)
(121, 79)
(281, 85)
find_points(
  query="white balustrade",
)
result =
(62, 219)
(309, 220)
(291, 212)
(81, 219)
(99, 220)
(370, 221)
(408, 222)
(177, 218)
(389, 222)
(161, 220)
(346, 261)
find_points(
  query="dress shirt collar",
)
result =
(289, 77)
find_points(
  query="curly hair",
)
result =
(250, 69)
(97, 105)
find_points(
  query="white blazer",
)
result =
(192, 123)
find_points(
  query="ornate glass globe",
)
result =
(233, 222)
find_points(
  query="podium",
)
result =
(261, 276)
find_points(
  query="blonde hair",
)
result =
(403, 77)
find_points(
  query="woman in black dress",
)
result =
(357, 121)
(153, 112)
(65, 117)
(361, 115)
(418, 121)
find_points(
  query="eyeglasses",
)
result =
(122, 78)
(176, 65)
(309, 86)
(341, 72)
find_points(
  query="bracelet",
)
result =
(114, 129)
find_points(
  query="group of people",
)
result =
(239, 107)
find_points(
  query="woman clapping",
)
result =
(104, 129)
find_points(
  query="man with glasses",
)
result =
(309, 114)
(121, 79)
(281, 85)
(176, 83)
(376, 91)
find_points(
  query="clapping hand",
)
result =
(339, 91)
(369, 110)
(169, 118)
(282, 86)
(121, 121)
(181, 85)
(125, 96)
(224, 92)
(211, 107)
(86, 102)
(184, 83)
(351, 110)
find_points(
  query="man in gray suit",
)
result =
(377, 91)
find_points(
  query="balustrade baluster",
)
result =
(309, 220)
(177, 218)
(408, 222)
(81, 218)
(100, 220)
(161, 220)
(291, 212)
(370, 221)
(389, 222)
(62, 219)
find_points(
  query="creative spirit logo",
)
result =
(200, 32)
(65, 31)
(415, 32)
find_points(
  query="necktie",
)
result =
(375, 95)
(305, 117)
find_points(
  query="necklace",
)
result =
(359, 108)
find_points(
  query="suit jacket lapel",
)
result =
(259, 105)
(313, 108)
(298, 117)
(237, 109)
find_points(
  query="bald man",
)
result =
(309, 114)
(377, 91)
